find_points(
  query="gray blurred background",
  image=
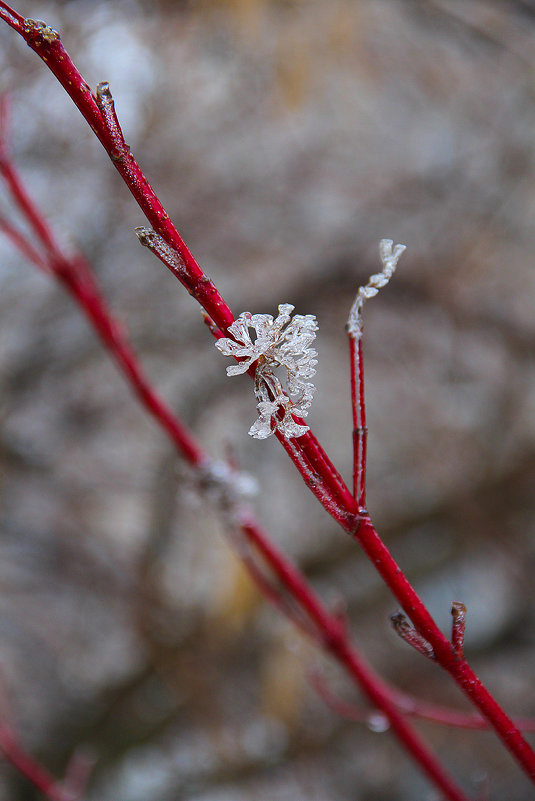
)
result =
(285, 139)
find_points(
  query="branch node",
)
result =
(408, 633)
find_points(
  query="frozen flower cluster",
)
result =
(283, 342)
(389, 254)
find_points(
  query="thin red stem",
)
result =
(276, 596)
(332, 634)
(23, 201)
(310, 462)
(111, 335)
(11, 17)
(459, 670)
(61, 65)
(21, 243)
(108, 131)
(77, 277)
(408, 633)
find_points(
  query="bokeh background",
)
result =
(285, 139)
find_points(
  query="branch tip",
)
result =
(389, 254)
(145, 235)
(411, 636)
(41, 30)
(103, 91)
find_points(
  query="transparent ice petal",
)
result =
(389, 257)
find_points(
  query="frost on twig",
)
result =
(390, 254)
(227, 486)
(280, 342)
(168, 255)
(458, 614)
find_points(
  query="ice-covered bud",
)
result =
(389, 254)
(247, 348)
(227, 485)
(283, 342)
(41, 29)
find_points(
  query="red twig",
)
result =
(78, 772)
(47, 44)
(360, 431)
(414, 707)
(458, 626)
(295, 598)
(21, 243)
(99, 112)
(30, 768)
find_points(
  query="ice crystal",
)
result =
(37, 26)
(390, 254)
(281, 342)
(227, 485)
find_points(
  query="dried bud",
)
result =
(41, 29)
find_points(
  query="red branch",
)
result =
(305, 451)
(294, 597)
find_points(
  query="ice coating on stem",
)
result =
(106, 105)
(37, 26)
(316, 485)
(229, 484)
(280, 342)
(170, 257)
(390, 254)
